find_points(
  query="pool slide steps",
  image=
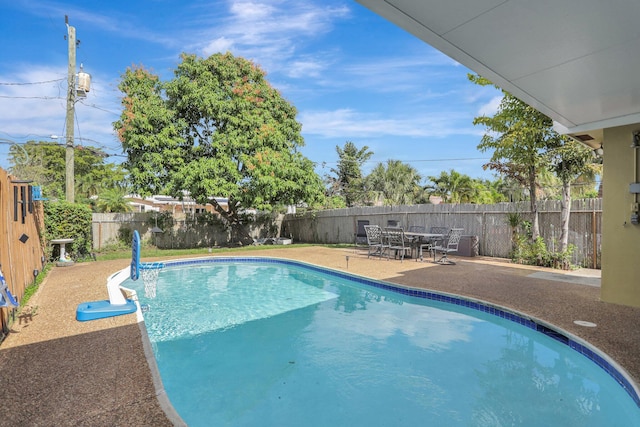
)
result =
(117, 304)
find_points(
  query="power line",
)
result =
(99, 108)
(449, 160)
(31, 83)
(406, 161)
(31, 97)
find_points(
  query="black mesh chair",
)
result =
(361, 235)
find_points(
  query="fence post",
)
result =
(594, 256)
(483, 236)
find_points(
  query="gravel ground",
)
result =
(57, 371)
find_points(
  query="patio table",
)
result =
(423, 238)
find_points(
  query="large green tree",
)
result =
(519, 136)
(348, 180)
(45, 166)
(149, 133)
(488, 191)
(218, 128)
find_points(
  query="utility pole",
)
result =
(71, 100)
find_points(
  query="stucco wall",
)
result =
(621, 239)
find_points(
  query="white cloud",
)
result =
(348, 123)
(219, 45)
(490, 108)
(123, 25)
(249, 11)
(32, 109)
(305, 68)
(270, 33)
(36, 111)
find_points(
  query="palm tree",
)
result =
(394, 184)
(112, 200)
(492, 192)
(453, 187)
(87, 186)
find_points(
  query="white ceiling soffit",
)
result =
(577, 61)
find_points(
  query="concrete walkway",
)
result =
(55, 370)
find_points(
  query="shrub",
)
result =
(535, 252)
(63, 220)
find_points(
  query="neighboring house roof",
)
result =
(155, 202)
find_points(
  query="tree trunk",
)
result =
(239, 233)
(535, 228)
(565, 213)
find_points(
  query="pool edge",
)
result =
(592, 352)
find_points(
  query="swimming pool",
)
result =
(251, 341)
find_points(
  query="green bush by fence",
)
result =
(65, 220)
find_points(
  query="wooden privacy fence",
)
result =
(488, 222)
(109, 228)
(183, 233)
(21, 245)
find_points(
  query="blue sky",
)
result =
(351, 75)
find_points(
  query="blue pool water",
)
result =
(280, 344)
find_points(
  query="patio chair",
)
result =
(397, 242)
(439, 230)
(447, 245)
(360, 235)
(375, 240)
(436, 241)
(427, 243)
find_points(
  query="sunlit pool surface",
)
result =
(251, 343)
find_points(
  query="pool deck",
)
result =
(55, 370)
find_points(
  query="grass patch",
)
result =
(31, 289)
(155, 253)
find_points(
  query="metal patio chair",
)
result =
(436, 241)
(427, 243)
(447, 245)
(439, 230)
(375, 241)
(360, 237)
(397, 241)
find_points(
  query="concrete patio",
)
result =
(55, 370)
